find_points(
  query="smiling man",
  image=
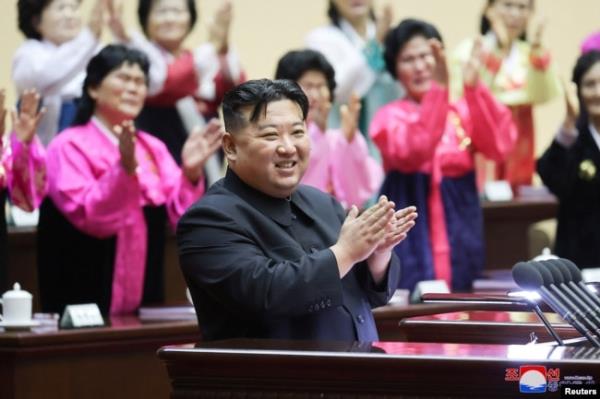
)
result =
(265, 257)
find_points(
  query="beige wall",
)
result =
(264, 29)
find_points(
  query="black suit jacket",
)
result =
(578, 232)
(250, 278)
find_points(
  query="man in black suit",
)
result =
(265, 257)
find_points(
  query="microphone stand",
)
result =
(486, 300)
(536, 309)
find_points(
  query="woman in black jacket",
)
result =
(570, 167)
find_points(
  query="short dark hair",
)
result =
(29, 14)
(258, 94)
(144, 7)
(335, 16)
(296, 63)
(485, 25)
(397, 38)
(102, 64)
(584, 63)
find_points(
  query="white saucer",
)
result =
(21, 325)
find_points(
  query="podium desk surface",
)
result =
(121, 330)
(264, 368)
(533, 208)
(117, 361)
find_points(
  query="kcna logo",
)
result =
(534, 378)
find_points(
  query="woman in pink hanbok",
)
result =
(22, 166)
(428, 146)
(340, 163)
(110, 190)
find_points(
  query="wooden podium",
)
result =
(288, 369)
(468, 350)
(114, 362)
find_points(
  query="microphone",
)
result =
(550, 276)
(577, 304)
(588, 305)
(529, 278)
(518, 276)
(578, 280)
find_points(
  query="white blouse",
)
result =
(343, 48)
(57, 72)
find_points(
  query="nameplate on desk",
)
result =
(429, 287)
(80, 316)
(591, 275)
(498, 190)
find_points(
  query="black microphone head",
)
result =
(526, 276)
(575, 272)
(554, 270)
(545, 274)
(564, 270)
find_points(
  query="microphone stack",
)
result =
(559, 283)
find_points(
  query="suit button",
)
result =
(360, 319)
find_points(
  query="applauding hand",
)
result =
(198, 147)
(397, 229)
(538, 33)
(440, 71)
(26, 121)
(115, 20)
(218, 30)
(126, 134)
(319, 110)
(572, 107)
(384, 22)
(96, 20)
(473, 65)
(498, 28)
(362, 234)
(349, 115)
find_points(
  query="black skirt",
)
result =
(75, 268)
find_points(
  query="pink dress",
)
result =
(341, 168)
(428, 154)
(90, 187)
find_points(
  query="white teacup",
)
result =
(16, 306)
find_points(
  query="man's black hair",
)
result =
(257, 94)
